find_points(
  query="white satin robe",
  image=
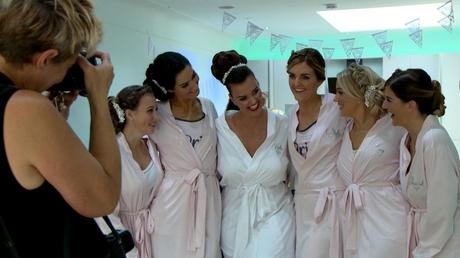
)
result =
(258, 213)
(187, 209)
(432, 188)
(318, 186)
(373, 207)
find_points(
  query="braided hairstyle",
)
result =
(363, 83)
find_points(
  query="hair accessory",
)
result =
(369, 92)
(163, 89)
(120, 113)
(230, 70)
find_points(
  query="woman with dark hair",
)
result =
(315, 133)
(134, 116)
(429, 164)
(187, 209)
(258, 214)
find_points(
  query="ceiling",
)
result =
(296, 18)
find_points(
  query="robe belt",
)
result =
(412, 231)
(354, 201)
(327, 200)
(143, 226)
(197, 207)
(256, 207)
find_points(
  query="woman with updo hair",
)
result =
(134, 117)
(374, 210)
(429, 164)
(187, 209)
(258, 215)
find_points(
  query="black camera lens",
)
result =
(73, 80)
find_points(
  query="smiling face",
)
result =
(247, 96)
(145, 117)
(396, 107)
(186, 87)
(348, 104)
(303, 81)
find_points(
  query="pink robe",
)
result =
(432, 188)
(138, 189)
(318, 185)
(373, 207)
(187, 210)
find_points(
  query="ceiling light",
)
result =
(384, 18)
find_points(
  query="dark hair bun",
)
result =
(222, 61)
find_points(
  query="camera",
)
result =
(73, 80)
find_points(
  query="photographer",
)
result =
(50, 185)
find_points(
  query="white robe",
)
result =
(318, 186)
(187, 209)
(432, 188)
(258, 213)
(373, 206)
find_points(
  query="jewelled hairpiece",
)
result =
(369, 92)
(230, 70)
(163, 89)
(120, 113)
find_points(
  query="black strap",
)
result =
(8, 242)
(114, 231)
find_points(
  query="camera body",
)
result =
(73, 80)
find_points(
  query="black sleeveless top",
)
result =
(40, 221)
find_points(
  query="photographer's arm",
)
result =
(41, 146)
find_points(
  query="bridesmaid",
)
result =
(430, 166)
(374, 207)
(187, 210)
(315, 134)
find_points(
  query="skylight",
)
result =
(384, 18)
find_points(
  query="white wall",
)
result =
(135, 32)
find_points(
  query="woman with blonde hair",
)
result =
(373, 207)
(50, 184)
(315, 133)
(429, 163)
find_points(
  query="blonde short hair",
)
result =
(366, 85)
(31, 26)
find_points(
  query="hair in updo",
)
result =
(221, 64)
(161, 74)
(128, 98)
(363, 83)
(416, 85)
(312, 58)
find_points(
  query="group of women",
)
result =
(373, 172)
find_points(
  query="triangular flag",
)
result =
(447, 23)
(315, 43)
(274, 41)
(328, 52)
(300, 46)
(380, 37)
(150, 47)
(447, 9)
(285, 40)
(413, 25)
(348, 45)
(227, 19)
(357, 53)
(253, 32)
(387, 48)
(417, 37)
